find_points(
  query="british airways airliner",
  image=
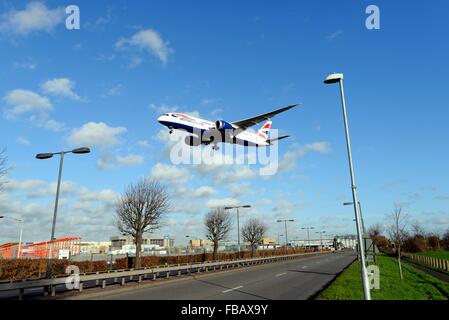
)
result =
(206, 132)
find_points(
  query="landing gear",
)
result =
(215, 147)
(170, 131)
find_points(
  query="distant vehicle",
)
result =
(204, 131)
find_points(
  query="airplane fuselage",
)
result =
(180, 121)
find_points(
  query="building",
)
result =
(197, 243)
(117, 242)
(96, 247)
(69, 245)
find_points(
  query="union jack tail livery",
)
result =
(264, 132)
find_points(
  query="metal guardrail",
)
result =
(140, 274)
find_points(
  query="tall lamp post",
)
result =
(338, 78)
(321, 237)
(238, 221)
(308, 236)
(42, 156)
(361, 214)
(191, 238)
(285, 226)
(20, 221)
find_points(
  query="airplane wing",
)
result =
(244, 124)
(269, 141)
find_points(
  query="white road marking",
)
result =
(232, 289)
(303, 267)
(281, 274)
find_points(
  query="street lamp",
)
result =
(192, 238)
(21, 230)
(285, 225)
(42, 156)
(238, 220)
(308, 236)
(334, 78)
(361, 214)
(321, 237)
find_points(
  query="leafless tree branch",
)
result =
(218, 224)
(140, 209)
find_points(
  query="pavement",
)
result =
(297, 279)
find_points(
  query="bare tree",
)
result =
(218, 225)
(398, 232)
(375, 230)
(253, 232)
(140, 209)
(418, 230)
(3, 167)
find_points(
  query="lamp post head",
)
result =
(1, 217)
(246, 206)
(42, 156)
(81, 150)
(333, 78)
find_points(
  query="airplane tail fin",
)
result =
(264, 132)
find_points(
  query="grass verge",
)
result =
(440, 254)
(415, 286)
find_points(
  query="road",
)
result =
(287, 280)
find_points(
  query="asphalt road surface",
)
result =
(287, 280)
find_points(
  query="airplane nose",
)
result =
(160, 119)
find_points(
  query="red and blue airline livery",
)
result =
(206, 132)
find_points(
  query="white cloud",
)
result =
(169, 173)
(53, 125)
(60, 87)
(203, 191)
(27, 65)
(106, 162)
(208, 101)
(95, 134)
(24, 101)
(215, 203)
(106, 195)
(240, 173)
(35, 17)
(163, 108)
(288, 161)
(114, 91)
(148, 40)
(23, 141)
(143, 143)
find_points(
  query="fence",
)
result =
(122, 276)
(439, 264)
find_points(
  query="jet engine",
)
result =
(192, 141)
(223, 125)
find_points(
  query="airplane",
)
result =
(228, 132)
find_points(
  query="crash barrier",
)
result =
(78, 281)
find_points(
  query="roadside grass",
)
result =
(440, 254)
(415, 286)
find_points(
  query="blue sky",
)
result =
(105, 85)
